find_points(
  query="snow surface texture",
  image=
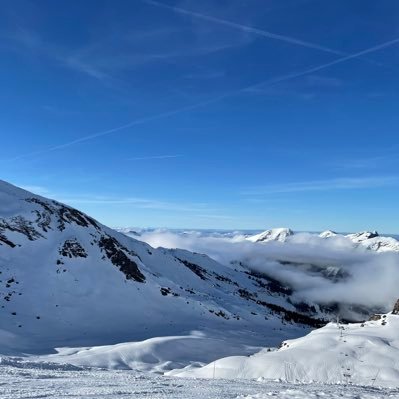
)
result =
(20, 378)
(67, 280)
(156, 355)
(362, 354)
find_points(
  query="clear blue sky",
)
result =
(210, 114)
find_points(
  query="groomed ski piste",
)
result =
(31, 380)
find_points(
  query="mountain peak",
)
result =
(58, 263)
(327, 234)
(276, 234)
(363, 235)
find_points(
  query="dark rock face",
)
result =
(64, 214)
(165, 291)
(198, 270)
(116, 253)
(51, 215)
(52, 209)
(20, 225)
(395, 309)
(373, 234)
(367, 234)
(72, 249)
(5, 240)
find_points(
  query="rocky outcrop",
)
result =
(375, 317)
(63, 213)
(395, 309)
(72, 249)
(363, 235)
(117, 254)
(196, 269)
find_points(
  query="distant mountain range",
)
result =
(369, 239)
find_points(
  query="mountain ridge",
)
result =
(368, 239)
(68, 280)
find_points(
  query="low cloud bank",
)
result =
(318, 269)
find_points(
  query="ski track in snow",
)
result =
(22, 380)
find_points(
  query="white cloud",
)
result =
(372, 277)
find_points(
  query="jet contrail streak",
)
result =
(244, 28)
(216, 99)
(150, 157)
(324, 66)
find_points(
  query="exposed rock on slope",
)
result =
(67, 280)
(395, 309)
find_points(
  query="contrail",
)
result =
(154, 157)
(212, 100)
(136, 122)
(324, 66)
(245, 28)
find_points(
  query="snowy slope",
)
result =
(155, 355)
(327, 234)
(364, 353)
(67, 280)
(21, 378)
(373, 241)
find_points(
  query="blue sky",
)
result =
(212, 114)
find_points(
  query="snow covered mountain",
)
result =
(363, 354)
(67, 280)
(276, 234)
(327, 234)
(373, 241)
(368, 239)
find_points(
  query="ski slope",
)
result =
(362, 354)
(23, 379)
